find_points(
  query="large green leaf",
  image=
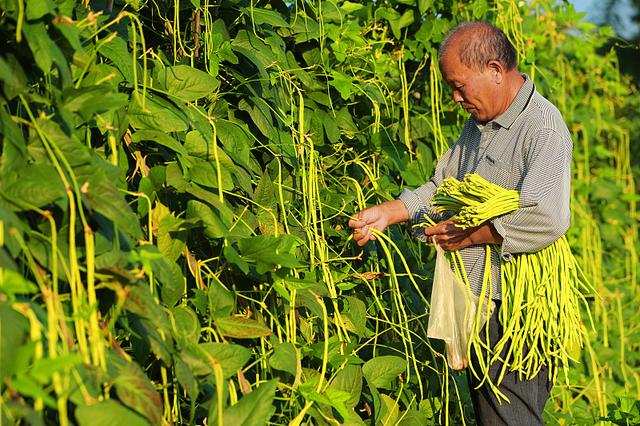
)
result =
(349, 380)
(159, 138)
(203, 172)
(270, 252)
(117, 52)
(221, 300)
(242, 328)
(12, 283)
(14, 329)
(186, 323)
(235, 140)
(284, 358)
(257, 51)
(99, 182)
(264, 16)
(141, 302)
(202, 358)
(14, 150)
(136, 391)
(108, 413)
(266, 205)
(37, 9)
(43, 369)
(186, 83)
(92, 100)
(156, 114)
(186, 377)
(170, 276)
(45, 51)
(37, 184)
(172, 236)
(355, 316)
(381, 371)
(216, 223)
(12, 75)
(254, 409)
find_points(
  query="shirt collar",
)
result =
(519, 103)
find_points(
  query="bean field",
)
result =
(176, 178)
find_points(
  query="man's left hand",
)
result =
(451, 237)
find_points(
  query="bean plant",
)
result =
(175, 182)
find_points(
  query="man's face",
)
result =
(477, 91)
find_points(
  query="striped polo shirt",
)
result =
(526, 148)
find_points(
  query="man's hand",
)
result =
(378, 218)
(451, 237)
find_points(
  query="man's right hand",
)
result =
(378, 218)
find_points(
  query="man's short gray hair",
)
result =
(484, 43)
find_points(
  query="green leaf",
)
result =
(14, 150)
(37, 184)
(284, 358)
(355, 315)
(43, 369)
(12, 283)
(254, 49)
(261, 16)
(349, 380)
(108, 413)
(254, 409)
(232, 256)
(117, 51)
(171, 237)
(157, 113)
(14, 329)
(170, 276)
(270, 252)
(350, 7)
(37, 9)
(160, 138)
(202, 357)
(136, 391)
(203, 172)
(45, 51)
(260, 116)
(343, 83)
(266, 203)
(141, 302)
(27, 386)
(241, 328)
(92, 100)
(99, 182)
(13, 77)
(216, 223)
(390, 411)
(423, 5)
(186, 323)
(186, 83)
(186, 378)
(221, 300)
(381, 371)
(235, 140)
(413, 418)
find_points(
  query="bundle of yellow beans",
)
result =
(541, 291)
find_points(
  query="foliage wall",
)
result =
(175, 182)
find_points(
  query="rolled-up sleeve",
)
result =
(543, 215)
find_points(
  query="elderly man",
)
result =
(518, 140)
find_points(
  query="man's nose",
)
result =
(457, 96)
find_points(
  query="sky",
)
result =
(627, 28)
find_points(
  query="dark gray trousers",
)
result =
(527, 397)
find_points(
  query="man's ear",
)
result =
(496, 70)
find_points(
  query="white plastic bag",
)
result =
(453, 310)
